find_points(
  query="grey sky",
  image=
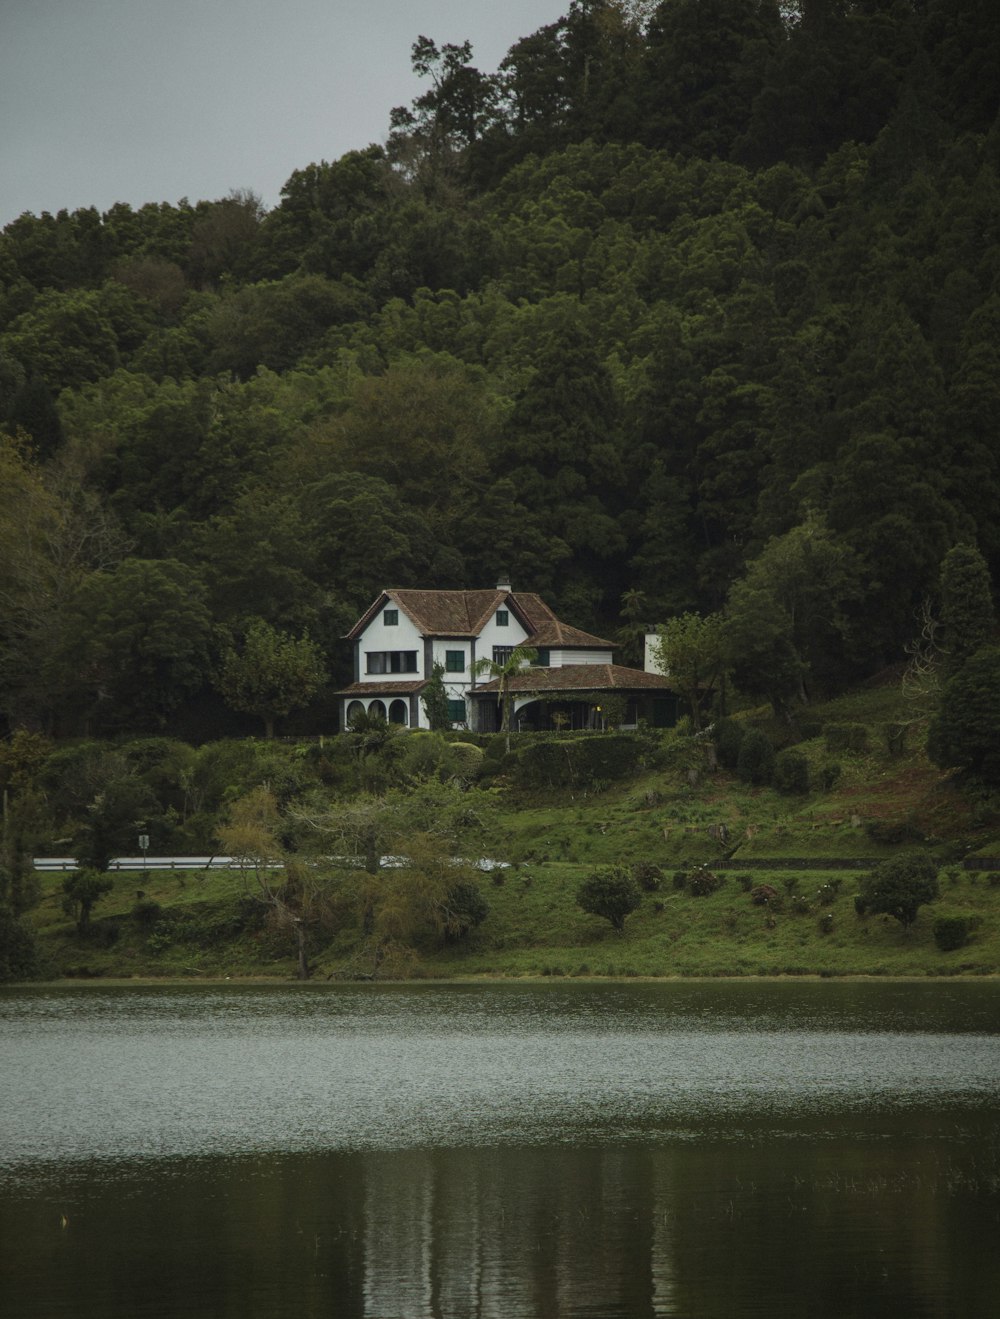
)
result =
(154, 100)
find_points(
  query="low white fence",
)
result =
(229, 863)
(143, 863)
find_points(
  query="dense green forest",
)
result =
(689, 307)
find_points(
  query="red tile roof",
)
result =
(466, 613)
(403, 688)
(580, 677)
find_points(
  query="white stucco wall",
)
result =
(651, 662)
(492, 635)
(378, 637)
(559, 658)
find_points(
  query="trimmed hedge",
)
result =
(846, 737)
(581, 762)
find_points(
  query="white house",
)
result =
(404, 633)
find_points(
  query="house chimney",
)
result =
(503, 582)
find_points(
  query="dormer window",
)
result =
(503, 618)
(390, 617)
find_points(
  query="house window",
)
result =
(391, 661)
(454, 661)
(503, 617)
(456, 712)
(501, 654)
(390, 617)
(541, 659)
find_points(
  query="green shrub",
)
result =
(829, 774)
(763, 895)
(728, 738)
(466, 908)
(648, 875)
(825, 923)
(18, 952)
(745, 881)
(680, 879)
(612, 894)
(899, 887)
(704, 882)
(146, 912)
(465, 760)
(846, 737)
(791, 772)
(895, 738)
(953, 931)
(756, 759)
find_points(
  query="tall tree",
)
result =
(965, 732)
(691, 652)
(271, 674)
(785, 620)
(967, 618)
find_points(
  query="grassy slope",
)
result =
(535, 927)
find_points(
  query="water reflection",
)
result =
(649, 1152)
(781, 1228)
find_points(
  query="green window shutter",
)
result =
(456, 711)
(454, 661)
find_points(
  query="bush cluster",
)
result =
(846, 737)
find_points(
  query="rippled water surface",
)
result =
(547, 1150)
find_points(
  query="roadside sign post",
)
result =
(144, 848)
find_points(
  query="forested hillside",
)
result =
(689, 307)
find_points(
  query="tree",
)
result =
(116, 805)
(251, 837)
(435, 700)
(448, 118)
(135, 641)
(613, 894)
(273, 674)
(502, 673)
(18, 951)
(689, 650)
(784, 617)
(967, 617)
(965, 732)
(402, 849)
(84, 890)
(899, 887)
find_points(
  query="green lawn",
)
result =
(876, 804)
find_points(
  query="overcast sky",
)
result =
(154, 100)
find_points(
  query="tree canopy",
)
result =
(692, 300)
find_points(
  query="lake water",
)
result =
(699, 1150)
